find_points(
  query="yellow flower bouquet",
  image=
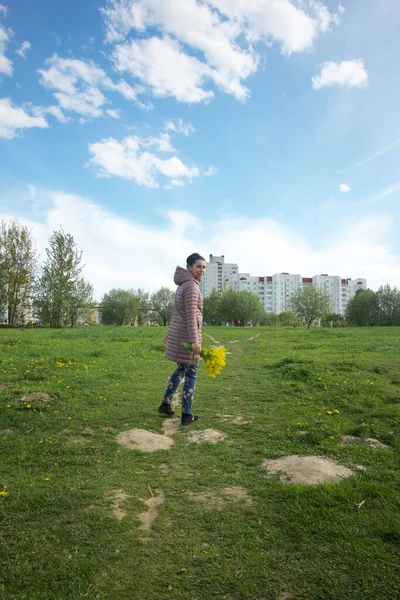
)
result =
(214, 358)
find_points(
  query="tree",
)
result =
(143, 307)
(119, 307)
(162, 302)
(212, 308)
(363, 309)
(309, 304)
(389, 304)
(79, 301)
(240, 306)
(59, 283)
(287, 318)
(18, 263)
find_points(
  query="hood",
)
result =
(182, 275)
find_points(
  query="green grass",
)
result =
(59, 460)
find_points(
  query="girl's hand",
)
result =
(196, 350)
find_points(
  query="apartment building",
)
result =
(275, 291)
(217, 273)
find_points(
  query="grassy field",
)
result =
(223, 527)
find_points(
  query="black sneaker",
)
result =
(165, 409)
(187, 419)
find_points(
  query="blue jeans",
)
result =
(189, 372)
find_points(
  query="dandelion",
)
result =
(329, 412)
(47, 478)
(214, 360)
(337, 411)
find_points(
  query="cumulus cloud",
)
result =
(360, 251)
(203, 43)
(114, 113)
(131, 159)
(6, 66)
(211, 171)
(343, 187)
(348, 73)
(178, 126)
(79, 85)
(23, 49)
(3, 9)
(13, 119)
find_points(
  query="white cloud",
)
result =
(178, 126)
(55, 111)
(360, 251)
(78, 85)
(130, 159)
(25, 46)
(3, 9)
(211, 171)
(205, 42)
(343, 187)
(115, 113)
(349, 73)
(6, 66)
(165, 68)
(13, 119)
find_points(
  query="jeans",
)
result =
(189, 372)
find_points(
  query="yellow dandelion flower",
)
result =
(329, 412)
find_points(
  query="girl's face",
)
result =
(198, 269)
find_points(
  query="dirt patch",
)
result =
(6, 431)
(310, 470)
(254, 337)
(143, 440)
(147, 518)
(117, 497)
(3, 386)
(285, 596)
(108, 429)
(234, 419)
(88, 431)
(349, 440)
(211, 436)
(213, 501)
(164, 468)
(78, 441)
(171, 426)
(37, 397)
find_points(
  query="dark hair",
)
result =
(192, 259)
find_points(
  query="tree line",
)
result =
(55, 292)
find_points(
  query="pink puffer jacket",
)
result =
(187, 318)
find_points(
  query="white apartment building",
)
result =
(217, 272)
(275, 291)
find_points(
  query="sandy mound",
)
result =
(37, 397)
(213, 501)
(206, 435)
(146, 441)
(117, 497)
(349, 440)
(78, 441)
(171, 426)
(147, 518)
(234, 419)
(310, 470)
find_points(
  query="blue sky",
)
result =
(264, 130)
